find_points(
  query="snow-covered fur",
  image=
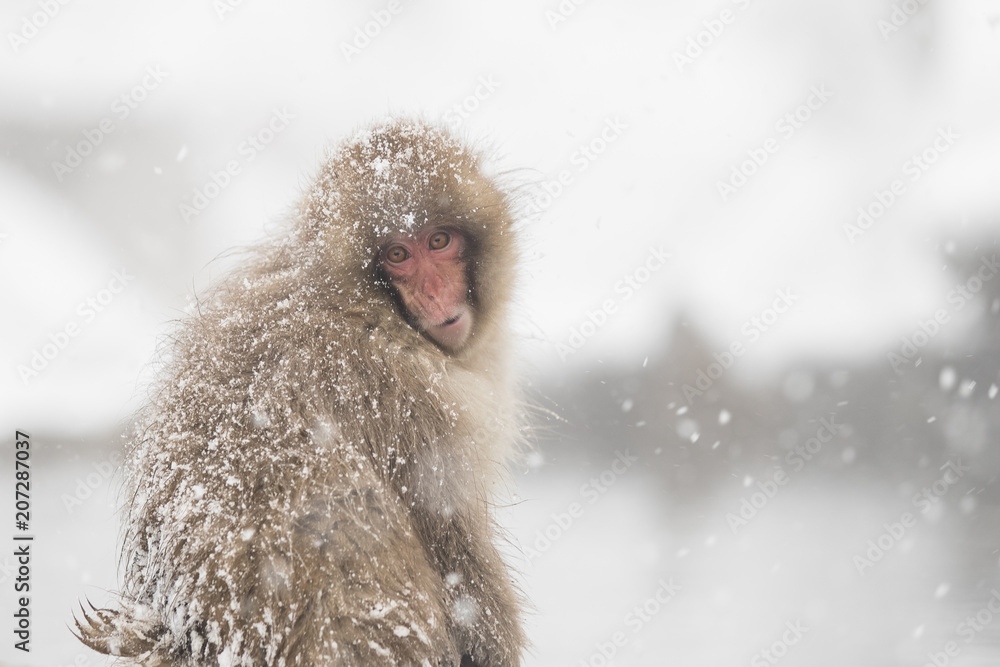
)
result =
(310, 482)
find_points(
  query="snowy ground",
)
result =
(831, 104)
(704, 595)
(736, 595)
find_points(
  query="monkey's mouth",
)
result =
(452, 333)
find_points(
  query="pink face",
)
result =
(428, 271)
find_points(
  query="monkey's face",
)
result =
(427, 269)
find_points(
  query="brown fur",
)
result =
(310, 483)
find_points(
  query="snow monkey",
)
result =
(310, 482)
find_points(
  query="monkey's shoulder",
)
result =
(240, 359)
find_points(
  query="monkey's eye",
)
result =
(440, 240)
(396, 254)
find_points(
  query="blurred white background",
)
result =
(739, 137)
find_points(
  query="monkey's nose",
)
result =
(432, 289)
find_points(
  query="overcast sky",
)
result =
(740, 139)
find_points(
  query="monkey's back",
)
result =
(248, 489)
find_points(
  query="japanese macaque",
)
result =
(311, 481)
